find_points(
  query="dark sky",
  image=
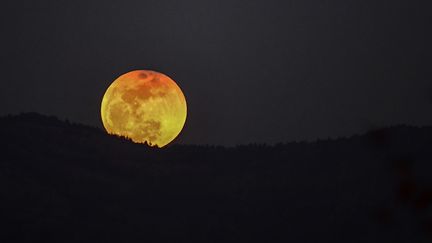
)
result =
(252, 71)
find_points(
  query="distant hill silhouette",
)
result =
(66, 182)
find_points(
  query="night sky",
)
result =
(252, 71)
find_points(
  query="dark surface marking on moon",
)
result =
(142, 75)
(119, 115)
(155, 79)
(142, 92)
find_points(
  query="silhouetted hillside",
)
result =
(65, 182)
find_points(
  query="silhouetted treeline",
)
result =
(66, 182)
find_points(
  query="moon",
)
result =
(145, 106)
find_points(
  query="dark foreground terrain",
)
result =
(63, 182)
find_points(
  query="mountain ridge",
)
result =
(50, 120)
(66, 182)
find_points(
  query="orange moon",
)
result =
(145, 106)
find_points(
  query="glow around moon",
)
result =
(145, 106)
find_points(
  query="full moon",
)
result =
(145, 106)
